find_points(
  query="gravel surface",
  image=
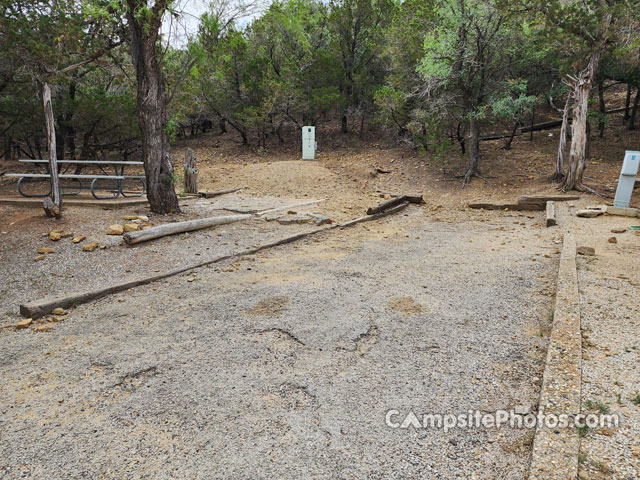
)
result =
(69, 269)
(609, 284)
(283, 364)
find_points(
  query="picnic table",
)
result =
(104, 166)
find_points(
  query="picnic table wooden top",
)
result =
(84, 162)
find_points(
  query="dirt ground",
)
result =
(283, 364)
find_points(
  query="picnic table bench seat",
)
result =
(118, 177)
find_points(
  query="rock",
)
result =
(46, 250)
(23, 323)
(45, 327)
(585, 251)
(625, 212)
(90, 247)
(115, 229)
(613, 240)
(321, 219)
(618, 230)
(144, 226)
(588, 213)
(40, 257)
(56, 235)
(102, 247)
(137, 221)
(59, 311)
(130, 227)
(144, 218)
(130, 217)
(79, 238)
(298, 218)
(635, 451)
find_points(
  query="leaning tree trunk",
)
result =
(581, 91)
(53, 203)
(152, 110)
(474, 150)
(562, 144)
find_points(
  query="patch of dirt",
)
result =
(271, 307)
(406, 305)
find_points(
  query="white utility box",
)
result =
(308, 143)
(627, 179)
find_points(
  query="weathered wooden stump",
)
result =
(190, 172)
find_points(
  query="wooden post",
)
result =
(53, 204)
(190, 172)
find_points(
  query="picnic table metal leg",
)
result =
(31, 194)
(100, 197)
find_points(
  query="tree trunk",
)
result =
(190, 172)
(634, 112)
(474, 150)
(509, 141)
(344, 128)
(533, 122)
(627, 105)
(222, 123)
(582, 89)
(152, 107)
(603, 108)
(562, 144)
(52, 204)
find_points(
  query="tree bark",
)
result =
(53, 204)
(562, 144)
(474, 150)
(344, 127)
(152, 106)
(582, 89)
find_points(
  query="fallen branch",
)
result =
(219, 192)
(46, 305)
(375, 216)
(131, 238)
(393, 202)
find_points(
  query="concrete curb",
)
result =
(555, 450)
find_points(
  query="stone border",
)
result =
(555, 450)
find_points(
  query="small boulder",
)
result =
(90, 247)
(59, 311)
(618, 230)
(613, 240)
(55, 236)
(130, 217)
(115, 229)
(588, 213)
(24, 323)
(588, 251)
(79, 238)
(130, 227)
(46, 250)
(46, 327)
(144, 218)
(39, 258)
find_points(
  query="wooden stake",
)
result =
(190, 172)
